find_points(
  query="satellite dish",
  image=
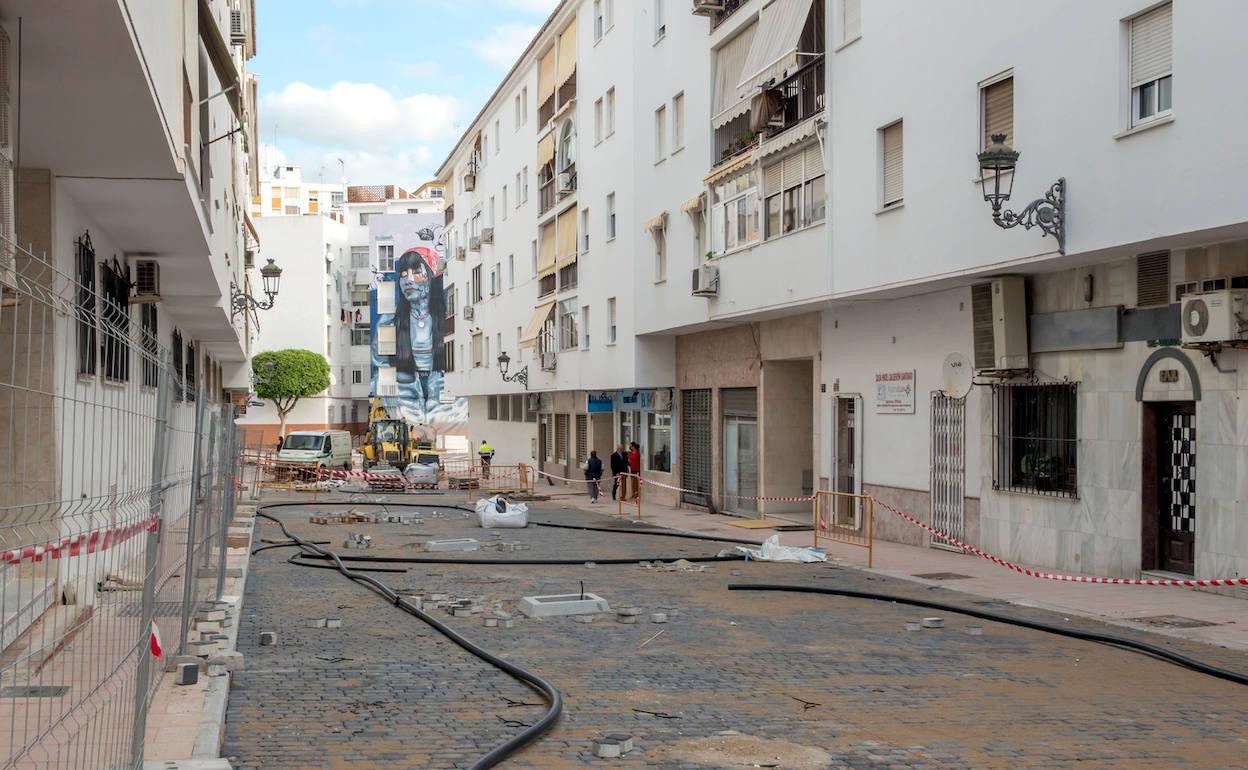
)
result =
(957, 375)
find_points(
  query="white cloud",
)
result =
(505, 43)
(360, 116)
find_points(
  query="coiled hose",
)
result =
(1088, 636)
(545, 688)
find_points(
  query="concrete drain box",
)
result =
(557, 605)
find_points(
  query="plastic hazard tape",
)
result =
(724, 494)
(1193, 583)
(597, 482)
(79, 545)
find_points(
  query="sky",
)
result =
(387, 86)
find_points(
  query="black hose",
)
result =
(286, 544)
(548, 691)
(1088, 636)
(527, 562)
(295, 560)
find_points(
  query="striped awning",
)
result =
(657, 222)
(738, 163)
(533, 329)
(694, 205)
(774, 48)
(731, 101)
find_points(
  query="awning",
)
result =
(565, 239)
(799, 133)
(719, 172)
(775, 45)
(546, 251)
(658, 222)
(533, 329)
(546, 76)
(222, 60)
(546, 149)
(567, 53)
(694, 205)
(251, 227)
(731, 101)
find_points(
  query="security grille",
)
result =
(948, 466)
(561, 439)
(1035, 439)
(1152, 279)
(582, 437)
(695, 445)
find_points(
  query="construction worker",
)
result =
(486, 453)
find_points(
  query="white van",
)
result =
(317, 448)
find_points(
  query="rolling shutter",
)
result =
(1151, 35)
(893, 152)
(999, 111)
(1152, 279)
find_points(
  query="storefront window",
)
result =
(628, 428)
(659, 445)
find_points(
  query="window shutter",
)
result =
(1150, 45)
(385, 341)
(892, 141)
(385, 297)
(999, 111)
(814, 161)
(773, 178)
(851, 19)
(1152, 279)
(793, 169)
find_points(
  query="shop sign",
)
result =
(596, 403)
(894, 392)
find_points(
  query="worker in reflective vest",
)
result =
(486, 453)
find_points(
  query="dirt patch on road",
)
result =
(736, 750)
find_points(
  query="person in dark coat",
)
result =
(619, 464)
(593, 474)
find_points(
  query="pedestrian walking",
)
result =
(634, 467)
(486, 453)
(593, 475)
(619, 464)
(281, 441)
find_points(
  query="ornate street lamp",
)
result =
(271, 278)
(522, 376)
(1047, 213)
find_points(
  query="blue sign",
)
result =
(596, 403)
(636, 399)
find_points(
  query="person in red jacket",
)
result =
(634, 467)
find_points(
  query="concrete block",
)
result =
(555, 605)
(209, 626)
(490, 623)
(216, 669)
(523, 546)
(187, 673)
(628, 611)
(628, 619)
(583, 618)
(607, 749)
(458, 544)
(237, 541)
(975, 630)
(625, 741)
(507, 623)
(210, 614)
(268, 638)
(315, 623)
(204, 647)
(658, 617)
(233, 661)
(914, 626)
(671, 612)
(333, 622)
(178, 660)
(933, 622)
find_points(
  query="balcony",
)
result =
(797, 99)
(556, 189)
(717, 10)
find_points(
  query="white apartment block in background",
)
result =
(750, 238)
(283, 192)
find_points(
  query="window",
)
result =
(494, 287)
(524, 188)
(734, 212)
(364, 217)
(448, 356)
(485, 150)
(1035, 439)
(511, 271)
(478, 345)
(524, 105)
(569, 335)
(335, 199)
(476, 284)
(517, 191)
(628, 427)
(567, 145)
(85, 309)
(568, 276)
(851, 20)
(659, 441)
(491, 211)
(597, 121)
(291, 193)
(504, 408)
(997, 102)
(795, 192)
(610, 216)
(385, 297)
(359, 256)
(891, 157)
(151, 346)
(660, 24)
(1151, 65)
(359, 336)
(518, 120)
(357, 376)
(385, 257)
(385, 340)
(678, 122)
(585, 326)
(497, 134)
(115, 321)
(660, 133)
(610, 111)
(387, 381)
(533, 256)
(584, 230)
(600, 23)
(611, 321)
(188, 377)
(175, 345)
(660, 254)
(485, 356)
(517, 407)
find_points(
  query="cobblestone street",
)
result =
(734, 679)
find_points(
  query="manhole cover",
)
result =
(43, 691)
(1173, 621)
(943, 576)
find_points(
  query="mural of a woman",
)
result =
(420, 321)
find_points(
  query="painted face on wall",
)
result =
(414, 284)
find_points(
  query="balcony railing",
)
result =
(546, 195)
(730, 7)
(802, 96)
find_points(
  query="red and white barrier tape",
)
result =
(773, 499)
(79, 545)
(597, 482)
(1192, 583)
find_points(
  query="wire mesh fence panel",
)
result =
(98, 473)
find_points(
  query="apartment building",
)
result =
(285, 193)
(125, 172)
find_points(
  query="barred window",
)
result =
(1035, 439)
(189, 376)
(85, 259)
(150, 347)
(115, 321)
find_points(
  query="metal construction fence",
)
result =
(116, 491)
(847, 518)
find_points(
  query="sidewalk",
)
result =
(1227, 617)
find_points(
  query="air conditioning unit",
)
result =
(705, 281)
(474, 243)
(249, 258)
(470, 182)
(548, 360)
(999, 324)
(461, 252)
(566, 183)
(468, 312)
(1214, 317)
(238, 33)
(487, 235)
(146, 282)
(707, 7)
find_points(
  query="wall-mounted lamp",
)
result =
(1047, 213)
(522, 376)
(271, 277)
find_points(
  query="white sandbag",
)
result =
(771, 550)
(513, 515)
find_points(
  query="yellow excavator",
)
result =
(391, 441)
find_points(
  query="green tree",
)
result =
(285, 376)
